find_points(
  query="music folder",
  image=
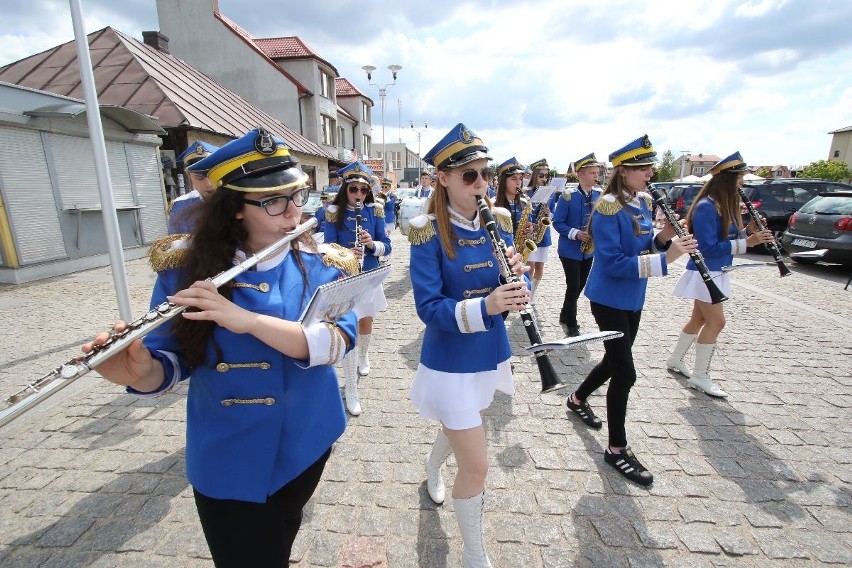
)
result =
(332, 300)
(570, 342)
(542, 194)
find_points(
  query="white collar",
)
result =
(267, 263)
(459, 220)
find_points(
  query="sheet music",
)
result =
(542, 194)
(559, 184)
(570, 342)
(332, 300)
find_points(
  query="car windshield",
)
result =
(826, 205)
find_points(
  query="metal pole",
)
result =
(96, 134)
(382, 93)
(683, 154)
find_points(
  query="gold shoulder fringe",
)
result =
(380, 211)
(331, 216)
(339, 257)
(421, 235)
(566, 195)
(504, 219)
(164, 253)
(649, 201)
(607, 207)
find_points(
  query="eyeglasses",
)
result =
(469, 177)
(278, 205)
(363, 190)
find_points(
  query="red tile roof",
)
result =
(131, 74)
(290, 47)
(344, 88)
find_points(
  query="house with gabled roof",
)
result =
(282, 75)
(145, 77)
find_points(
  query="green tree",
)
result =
(764, 172)
(667, 170)
(571, 177)
(832, 170)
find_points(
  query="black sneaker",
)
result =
(584, 412)
(627, 464)
(573, 331)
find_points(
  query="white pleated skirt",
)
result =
(456, 399)
(691, 286)
(370, 305)
(538, 255)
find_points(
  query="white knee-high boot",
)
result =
(677, 362)
(701, 374)
(535, 283)
(350, 375)
(363, 354)
(441, 450)
(469, 513)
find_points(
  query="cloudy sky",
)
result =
(553, 78)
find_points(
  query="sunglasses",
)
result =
(469, 177)
(362, 190)
(541, 176)
(275, 206)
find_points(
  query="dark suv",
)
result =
(778, 199)
(679, 195)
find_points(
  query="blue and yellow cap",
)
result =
(510, 167)
(459, 147)
(733, 163)
(640, 152)
(256, 162)
(198, 150)
(542, 163)
(387, 182)
(585, 162)
(357, 171)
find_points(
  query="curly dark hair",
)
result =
(218, 235)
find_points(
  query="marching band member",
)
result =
(263, 407)
(184, 208)
(368, 246)
(714, 218)
(465, 353)
(536, 259)
(570, 219)
(425, 187)
(626, 256)
(388, 190)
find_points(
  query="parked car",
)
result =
(778, 199)
(679, 195)
(821, 230)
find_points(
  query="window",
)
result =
(366, 148)
(698, 170)
(341, 137)
(326, 85)
(837, 153)
(327, 130)
(365, 112)
(396, 160)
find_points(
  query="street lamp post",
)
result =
(383, 91)
(419, 131)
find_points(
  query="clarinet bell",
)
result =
(550, 381)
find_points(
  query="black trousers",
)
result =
(576, 274)
(240, 533)
(616, 366)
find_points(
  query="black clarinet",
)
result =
(773, 246)
(716, 295)
(359, 221)
(550, 381)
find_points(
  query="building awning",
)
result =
(130, 119)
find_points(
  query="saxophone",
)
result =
(520, 233)
(543, 220)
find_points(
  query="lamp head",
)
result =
(369, 69)
(394, 69)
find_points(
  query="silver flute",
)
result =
(119, 341)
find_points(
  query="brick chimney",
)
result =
(156, 40)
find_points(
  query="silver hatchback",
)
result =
(821, 230)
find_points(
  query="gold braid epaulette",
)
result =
(339, 257)
(331, 216)
(164, 256)
(380, 211)
(504, 220)
(421, 235)
(607, 207)
(649, 201)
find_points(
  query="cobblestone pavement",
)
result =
(92, 477)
